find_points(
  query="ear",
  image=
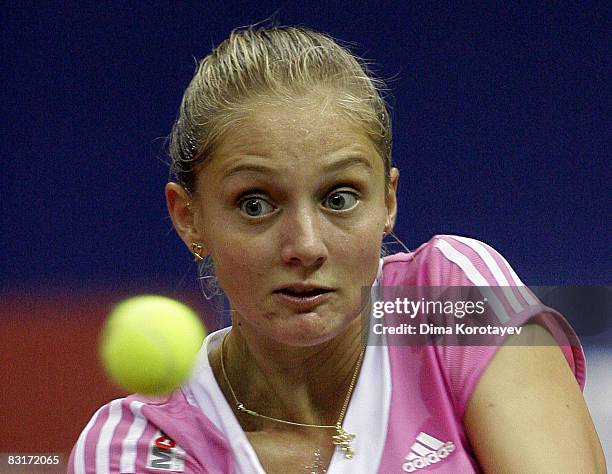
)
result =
(182, 212)
(391, 200)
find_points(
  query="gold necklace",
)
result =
(341, 439)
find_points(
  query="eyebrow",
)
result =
(346, 162)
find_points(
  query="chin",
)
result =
(310, 329)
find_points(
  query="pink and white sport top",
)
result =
(406, 410)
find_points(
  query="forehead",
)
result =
(308, 129)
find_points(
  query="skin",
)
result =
(295, 161)
(290, 162)
(529, 402)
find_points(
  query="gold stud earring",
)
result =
(197, 250)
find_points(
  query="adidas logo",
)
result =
(426, 451)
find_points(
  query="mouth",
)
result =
(302, 292)
(303, 297)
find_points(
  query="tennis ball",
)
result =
(149, 344)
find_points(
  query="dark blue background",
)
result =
(501, 123)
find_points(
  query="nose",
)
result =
(302, 241)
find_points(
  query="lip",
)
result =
(304, 286)
(302, 303)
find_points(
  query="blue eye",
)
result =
(255, 206)
(341, 201)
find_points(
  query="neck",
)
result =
(300, 384)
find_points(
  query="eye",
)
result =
(254, 206)
(341, 201)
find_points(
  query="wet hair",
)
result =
(273, 64)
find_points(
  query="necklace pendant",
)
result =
(343, 440)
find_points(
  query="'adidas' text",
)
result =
(429, 451)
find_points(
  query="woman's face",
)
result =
(292, 207)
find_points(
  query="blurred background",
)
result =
(501, 132)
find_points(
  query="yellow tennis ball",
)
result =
(149, 344)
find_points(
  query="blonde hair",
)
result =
(279, 63)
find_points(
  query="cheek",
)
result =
(360, 249)
(239, 266)
(367, 237)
